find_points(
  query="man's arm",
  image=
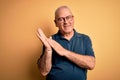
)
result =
(45, 61)
(83, 61)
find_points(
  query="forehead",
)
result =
(63, 12)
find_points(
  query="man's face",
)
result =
(64, 21)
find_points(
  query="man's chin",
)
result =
(67, 31)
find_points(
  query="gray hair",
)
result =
(59, 8)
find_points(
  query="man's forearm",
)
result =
(45, 63)
(83, 61)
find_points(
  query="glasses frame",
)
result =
(63, 19)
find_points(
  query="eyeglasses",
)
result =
(62, 19)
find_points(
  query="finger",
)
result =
(37, 34)
(40, 38)
(49, 40)
(41, 33)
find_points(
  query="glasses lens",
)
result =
(59, 19)
(62, 19)
(69, 17)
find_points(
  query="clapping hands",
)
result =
(49, 43)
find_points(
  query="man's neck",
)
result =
(68, 36)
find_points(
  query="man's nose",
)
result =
(65, 20)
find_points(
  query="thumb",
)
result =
(50, 41)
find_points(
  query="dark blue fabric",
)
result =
(62, 68)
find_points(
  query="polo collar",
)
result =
(76, 34)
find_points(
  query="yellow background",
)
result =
(20, 48)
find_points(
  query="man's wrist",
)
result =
(48, 50)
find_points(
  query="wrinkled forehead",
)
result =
(62, 12)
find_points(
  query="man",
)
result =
(67, 55)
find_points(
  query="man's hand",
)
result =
(50, 43)
(44, 39)
(45, 61)
(57, 47)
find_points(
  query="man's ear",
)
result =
(55, 23)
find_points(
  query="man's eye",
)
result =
(68, 17)
(59, 19)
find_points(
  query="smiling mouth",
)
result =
(66, 25)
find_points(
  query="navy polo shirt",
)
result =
(64, 69)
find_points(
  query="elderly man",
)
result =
(67, 55)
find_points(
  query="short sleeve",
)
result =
(88, 46)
